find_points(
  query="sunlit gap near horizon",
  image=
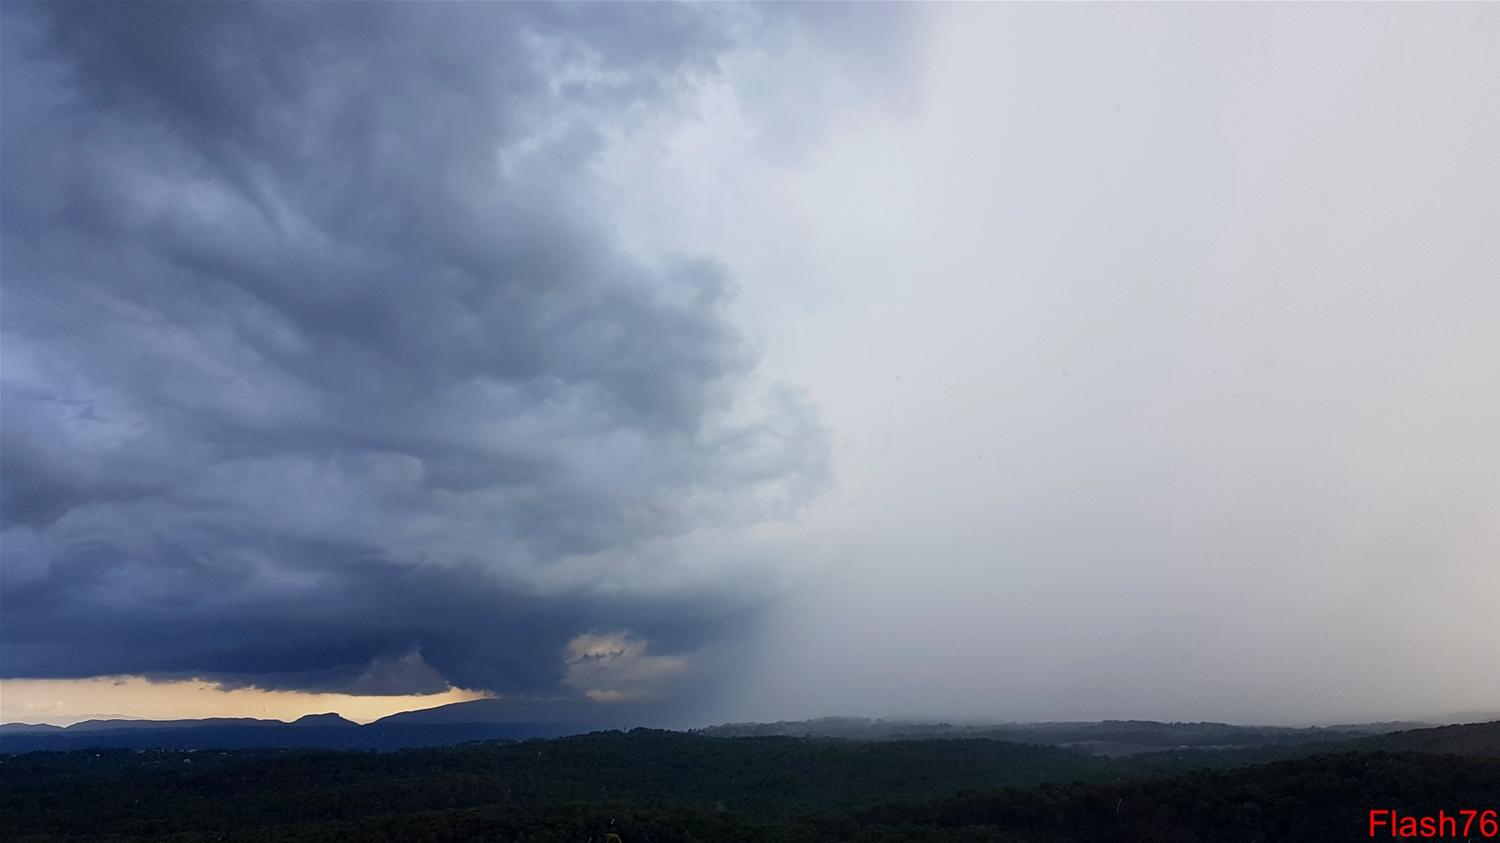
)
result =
(63, 702)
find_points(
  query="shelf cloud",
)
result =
(323, 369)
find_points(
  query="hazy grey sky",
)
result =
(1029, 362)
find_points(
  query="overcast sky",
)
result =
(747, 362)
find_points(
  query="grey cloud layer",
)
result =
(321, 369)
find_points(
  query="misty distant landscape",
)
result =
(502, 719)
(630, 422)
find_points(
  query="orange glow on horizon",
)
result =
(62, 702)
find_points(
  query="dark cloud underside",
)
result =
(318, 354)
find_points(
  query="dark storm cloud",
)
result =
(366, 627)
(321, 369)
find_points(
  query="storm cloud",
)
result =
(717, 361)
(323, 371)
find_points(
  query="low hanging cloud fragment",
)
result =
(617, 667)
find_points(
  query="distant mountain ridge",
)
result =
(312, 731)
(583, 714)
(476, 720)
(110, 725)
(512, 719)
(23, 728)
(327, 720)
(1476, 739)
(1105, 737)
(122, 724)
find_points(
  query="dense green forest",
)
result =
(656, 786)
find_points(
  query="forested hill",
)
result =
(1482, 739)
(1107, 737)
(652, 787)
(267, 734)
(752, 774)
